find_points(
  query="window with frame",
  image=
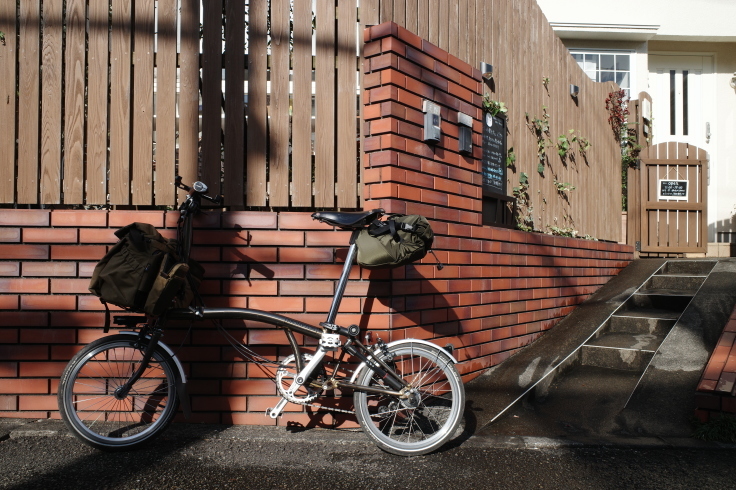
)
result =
(606, 66)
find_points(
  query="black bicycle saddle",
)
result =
(348, 219)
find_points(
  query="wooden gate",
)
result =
(671, 201)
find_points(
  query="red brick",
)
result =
(89, 302)
(23, 285)
(9, 269)
(70, 286)
(49, 269)
(249, 387)
(383, 30)
(47, 336)
(409, 37)
(278, 238)
(38, 403)
(248, 254)
(371, 48)
(306, 255)
(329, 271)
(77, 252)
(118, 219)
(78, 318)
(22, 386)
(419, 88)
(8, 403)
(306, 288)
(97, 235)
(249, 219)
(38, 252)
(9, 302)
(24, 217)
(434, 51)
(10, 235)
(41, 369)
(52, 302)
(250, 287)
(78, 218)
(277, 304)
(50, 235)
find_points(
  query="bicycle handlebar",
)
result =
(199, 188)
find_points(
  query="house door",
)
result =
(682, 89)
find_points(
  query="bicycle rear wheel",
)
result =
(98, 414)
(429, 417)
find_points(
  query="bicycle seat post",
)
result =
(340, 290)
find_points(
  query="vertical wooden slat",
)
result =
(702, 155)
(51, 103)
(346, 105)
(423, 7)
(412, 15)
(212, 94)
(387, 9)
(166, 103)
(189, 91)
(433, 21)
(257, 109)
(462, 49)
(74, 103)
(278, 106)
(324, 158)
(141, 186)
(301, 127)
(452, 29)
(399, 15)
(234, 104)
(443, 21)
(370, 12)
(97, 53)
(8, 51)
(470, 33)
(28, 99)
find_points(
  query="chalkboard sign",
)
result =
(675, 190)
(494, 155)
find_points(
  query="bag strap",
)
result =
(391, 226)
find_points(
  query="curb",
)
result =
(23, 428)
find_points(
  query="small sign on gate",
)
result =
(672, 190)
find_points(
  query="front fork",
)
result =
(121, 392)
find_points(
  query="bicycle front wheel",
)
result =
(96, 412)
(425, 420)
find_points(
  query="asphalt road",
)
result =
(41, 455)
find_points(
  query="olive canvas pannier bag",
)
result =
(143, 272)
(399, 240)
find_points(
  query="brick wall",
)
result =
(716, 393)
(500, 289)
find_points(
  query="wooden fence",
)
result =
(533, 72)
(115, 121)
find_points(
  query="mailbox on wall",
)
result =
(432, 121)
(465, 130)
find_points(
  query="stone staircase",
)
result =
(629, 339)
(583, 395)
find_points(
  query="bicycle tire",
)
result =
(426, 421)
(90, 408)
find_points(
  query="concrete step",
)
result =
(616, 358)
(626, 340)
(655, 302)
(687, 267)
(671, 284)
(639, 324)
(580, 405)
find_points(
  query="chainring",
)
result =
(285, 375)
